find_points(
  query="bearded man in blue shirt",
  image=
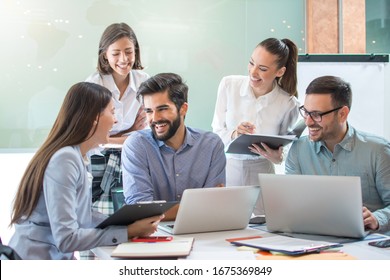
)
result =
(161, 162)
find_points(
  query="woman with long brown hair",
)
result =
(52, 208)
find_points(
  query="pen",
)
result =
(152, 201)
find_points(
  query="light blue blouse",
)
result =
(63, 220)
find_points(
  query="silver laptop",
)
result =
(213, 209)
(313, 204)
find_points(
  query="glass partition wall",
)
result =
(47, 46)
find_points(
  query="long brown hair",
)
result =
(287, 56)
(81, 107)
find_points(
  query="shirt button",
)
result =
(114, 240)
(177, 174)
(333, 160)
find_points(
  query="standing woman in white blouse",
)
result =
(264, 102)
(119, 69)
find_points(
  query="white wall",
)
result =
(370, 83)
(12, 166)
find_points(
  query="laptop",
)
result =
(313, 204)
(213, 209)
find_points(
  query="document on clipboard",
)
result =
(287, 245)
(241, 143)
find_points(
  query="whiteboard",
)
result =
(370, 90)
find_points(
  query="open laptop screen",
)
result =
(313, 204)
(213, 209)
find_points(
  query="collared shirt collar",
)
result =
(347, 143)
(189, 140)
(246, 90)
(109, 82)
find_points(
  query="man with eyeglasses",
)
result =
(334, 147)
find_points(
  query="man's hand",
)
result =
(370, 222)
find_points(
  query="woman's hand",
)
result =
(144, 227)
(275, 156)
(140, 120)
(244, 128)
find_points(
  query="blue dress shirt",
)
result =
(358, 154)
(155, 171)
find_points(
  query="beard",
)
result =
(173, 127)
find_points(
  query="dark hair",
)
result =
(113, 33)
(339, 90)
(177, 89)
(82, 105)
(287, 56)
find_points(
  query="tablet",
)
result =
(128, 214)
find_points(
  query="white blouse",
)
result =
(125, 109)
(274, 113)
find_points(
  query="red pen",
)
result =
(152, 239)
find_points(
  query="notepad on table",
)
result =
(177, 247)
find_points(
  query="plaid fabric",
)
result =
(107, 174)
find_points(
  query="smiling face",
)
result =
(165, 120)
(121, 56)
(332, 128)
(263, 70)
(104, 124)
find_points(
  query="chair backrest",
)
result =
(118, 198)
(7, 253)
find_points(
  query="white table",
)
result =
(213, 245)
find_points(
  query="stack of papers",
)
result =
(177, 247)
(287, 245)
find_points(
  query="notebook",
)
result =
(213, 209)
(313, 204)
(178, 247)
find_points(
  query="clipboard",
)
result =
(128, 214)
(241, 143)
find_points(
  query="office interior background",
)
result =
(47, 46)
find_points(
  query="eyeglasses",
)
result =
(315, 116)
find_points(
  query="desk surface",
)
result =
(213, 245)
